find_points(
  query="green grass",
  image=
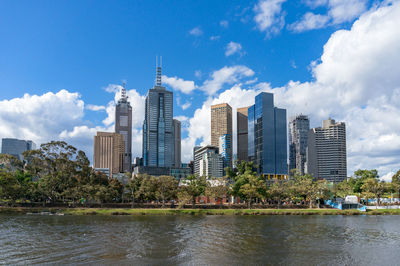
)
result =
(105, 211)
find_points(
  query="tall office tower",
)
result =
(158, 139)
(109, 152)
(242, 134)
(267, 146)
(16, 147)
(177, 142)
(221, 124)
(123, 126)
(207, 162)
(326, 152)
(298, 135)
(225, 149)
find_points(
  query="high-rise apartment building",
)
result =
(267, 137)
(208, 162)
(123, 126)
(16, 147)
(158, 139)
(225, 149)
(177, 142)
(221, 124)
(298, 136)
(109, 152)
(242, 134)
(326, 152)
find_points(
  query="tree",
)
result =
(278, 191)
(373, 187)
(10, 189)
(133, 187)
(217, 189)
(166, 188)
(254, 188)
(194, 186)
(344, 188)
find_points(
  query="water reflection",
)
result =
(222, 240)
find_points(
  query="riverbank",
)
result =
(113, 211)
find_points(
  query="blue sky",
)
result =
(85, 47)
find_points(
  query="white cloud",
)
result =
(346, 10)
(224, 23)
(339, 11)
(225, 75)
(215, 38)
(197, 31)
(40, 117)
(356, 81)
(198, 74)
(387, 177)
(181, 118)
(268, 15)
(93, 107)
(310, 21)
(185, 86)
(233, 48)
(185, 105)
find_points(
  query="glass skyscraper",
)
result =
(123, 126)
(16, 147)
(298, 136)
(158, 139)
(267, 137)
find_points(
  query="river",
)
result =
(194, 240)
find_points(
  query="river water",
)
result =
(199, 240)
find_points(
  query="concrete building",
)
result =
(16, 147)
(158, 139)
(109, 152)
(123, 126)
(326, 152)
(221, 124)
(298, 136)
(208, 162)
(177, 172)
(177, 142)
(267, 137)
(242, 134)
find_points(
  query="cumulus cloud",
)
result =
(225, 75)
(233, 48)
(40, 117)
(197, 31)
(215, 38)
(185, 86)
(357, 80)
(268, 15)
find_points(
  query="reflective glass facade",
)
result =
(267, 136)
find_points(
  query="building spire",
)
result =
(158, 72)
(123, 92)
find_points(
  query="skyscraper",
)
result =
(208, 162)
(267, 136)
(16, 147)
(109, 152)
(123, 126)
(177, 142)
(242, 134)
(221, 124)
(326, 152)
(298, 135)
(225, 149)
(158, 139)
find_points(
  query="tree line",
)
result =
(59, 173)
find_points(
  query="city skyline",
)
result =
(237, 56)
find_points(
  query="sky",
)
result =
(62, 64)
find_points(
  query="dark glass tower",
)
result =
(267, 136)
(158, 139)
(123, 126)
(298, 135)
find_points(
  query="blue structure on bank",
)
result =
(267, 137)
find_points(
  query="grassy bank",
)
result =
(106, 211)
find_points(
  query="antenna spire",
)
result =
(158, 72)
(123, 92)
